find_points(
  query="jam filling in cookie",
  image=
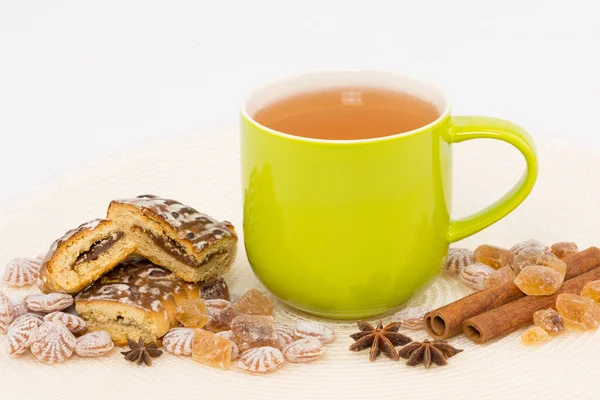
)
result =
(192, 245)
(82, 255)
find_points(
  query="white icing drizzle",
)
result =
(116, 288)
(69, 234)
(156, 305)
(151, 288)
(147, 273)
(198, 228)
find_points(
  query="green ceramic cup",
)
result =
(351, 229)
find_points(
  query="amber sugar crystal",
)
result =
(211, 349)
(592, 291)
(539, 280)
(253, 302)
(192, 313)
(549, 320)
(529, 256)
(507, 259)
(564, 249)
(494, 256)
(534, 335)
(250, 331)
(551, 261)
(499, 277)
(581, 312)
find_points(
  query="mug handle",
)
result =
(468, 128)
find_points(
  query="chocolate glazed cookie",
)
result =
(135, 299)
(192, 245)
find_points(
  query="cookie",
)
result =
(82, 255)
(135, 299)
(192, 245)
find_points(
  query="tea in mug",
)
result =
(347, 114)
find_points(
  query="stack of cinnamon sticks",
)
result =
(497, 311)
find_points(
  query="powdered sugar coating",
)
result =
(22, 272)
(235, 350)
(94, 344)
(190, 225)
(458, 259)
(19, 308)
(529, 245)
(474, 275)
(6, 312)
(261, 359)
(39, 316)
(52, 343)
(20, 333)
(47, 303)
(73, 323)
(312, 329)
(286, 334)
(303, 350)
(179, 341)
(411, 317)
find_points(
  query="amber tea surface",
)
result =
(347, 114)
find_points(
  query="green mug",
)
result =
(352, 228)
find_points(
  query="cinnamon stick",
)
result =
(508, 318)
(447, 321)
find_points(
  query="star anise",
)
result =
(141, 353)
(427, 352)
(379, 339)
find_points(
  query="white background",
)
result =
(85, 81)
(82, 81)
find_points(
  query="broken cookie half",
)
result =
(192, 245)
(82, 255)
(137, 299)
